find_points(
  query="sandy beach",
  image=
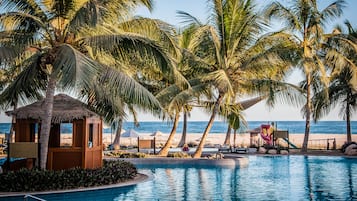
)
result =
(318, 141)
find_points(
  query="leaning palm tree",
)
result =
(305, 22)
(54, 34)
(237, 58)
(341, 50)
(174, 99)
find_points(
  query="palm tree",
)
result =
(341, 50)
(305, 22)
(236, 122)
(55, 34)
(174, 99)
(236, 59)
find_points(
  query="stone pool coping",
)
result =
(201, 162)
(138, 179)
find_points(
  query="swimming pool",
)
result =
(265, 178)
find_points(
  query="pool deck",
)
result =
(230, 162)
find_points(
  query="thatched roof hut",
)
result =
(84, 146)
(65, 108)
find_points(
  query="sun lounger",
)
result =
(241, 150)
(225, 149)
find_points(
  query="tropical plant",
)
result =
(236, 122)
(239, 59)
(64, 40)
(341, 57)
(304, 21)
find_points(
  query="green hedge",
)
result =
(43, 180)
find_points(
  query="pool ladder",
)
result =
(26, 197)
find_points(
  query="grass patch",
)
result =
(25, 180)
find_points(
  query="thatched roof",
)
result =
(65, 108)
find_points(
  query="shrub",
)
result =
(121, 154)
(178, 155)
(43, 180)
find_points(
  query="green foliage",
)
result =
(26, 180)
(179, 155)
(121, 154)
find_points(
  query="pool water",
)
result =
(265, 178)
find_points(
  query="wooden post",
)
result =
(138, 145)
(154, 145)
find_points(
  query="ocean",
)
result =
(294, 127)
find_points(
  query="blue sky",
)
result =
(166, 11)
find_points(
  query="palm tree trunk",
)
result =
(198, 152)
(308, 115)
(46, 121)
(116, 142)
(165, 149)
(13, 122)
(227, 141)
(184, 130)
(348, 122)
(234, 138)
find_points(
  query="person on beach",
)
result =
(185, 148)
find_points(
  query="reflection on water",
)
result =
(266, 178)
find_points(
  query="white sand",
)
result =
(213, 139)
(242, 140)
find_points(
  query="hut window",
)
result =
(34, 132)
(90, 137)
(66, 134)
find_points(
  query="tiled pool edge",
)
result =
(224, 163)
(138, 179)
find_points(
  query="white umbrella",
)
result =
(157, 134)
(130, 134)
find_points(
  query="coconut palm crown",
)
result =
(342, 90)
(305, 22)
(49, 39)
(240, 60)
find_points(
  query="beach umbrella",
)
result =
(130, 134)
(157, 134)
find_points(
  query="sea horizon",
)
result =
(294, 127)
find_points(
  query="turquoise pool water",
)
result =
(266, 178)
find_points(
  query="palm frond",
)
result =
(74, 67)
(129, 90)
(117, 43)
(27, 86)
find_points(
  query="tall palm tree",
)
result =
(237, 58)
(341, 57)
(55, 33)
(305, 22)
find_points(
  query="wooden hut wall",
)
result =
(79, 131)
(25, 130)
(55, 136)
(93, 149)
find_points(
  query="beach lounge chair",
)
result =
(225, 148)
(241, 150)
